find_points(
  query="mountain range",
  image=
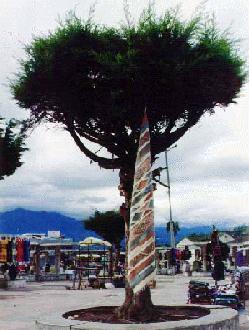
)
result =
(21, 221)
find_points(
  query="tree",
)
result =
(176, 227)
(240, 230)
(110, 226)
(199, 237)
(11, 147)
(96, 81)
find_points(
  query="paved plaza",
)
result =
(19, 309)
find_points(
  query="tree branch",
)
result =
(164, 141)
(102, 161)
(109, 142)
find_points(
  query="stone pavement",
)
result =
(19, 309)
(244, 318)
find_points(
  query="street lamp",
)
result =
(157, 173)
(172, 234)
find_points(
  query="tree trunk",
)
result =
(136, 307)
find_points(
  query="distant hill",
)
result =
(21, 221)
(162, 236)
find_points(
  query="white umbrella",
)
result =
(84, 255)
(94, 241)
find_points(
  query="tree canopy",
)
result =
(240, 230)
(199, 237)
(176, 227)
(109, 225)
(11, 147)
(96, 81)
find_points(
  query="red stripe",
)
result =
(150, 234)
(141, 267)
(141, 226)
(142, 254)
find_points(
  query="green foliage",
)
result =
(11, 147)
(240, 230)
(176, 227)
(199, 237)
(97, 81)
(109, 225)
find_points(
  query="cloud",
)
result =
(57, 176)
(209, 169)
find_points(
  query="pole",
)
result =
(88, 256)
(104, 263)
(172, 235)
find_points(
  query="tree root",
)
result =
(137, 307)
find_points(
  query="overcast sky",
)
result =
(209, 169)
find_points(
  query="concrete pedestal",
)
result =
(220, 318)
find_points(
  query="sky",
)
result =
(209, 168)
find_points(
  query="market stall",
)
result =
(91, 265)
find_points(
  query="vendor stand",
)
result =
(87, 264)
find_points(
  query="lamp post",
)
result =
(156, 177)
(172, 234)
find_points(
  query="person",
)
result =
(32, 269)
(27, 269)
(4, 267)
(122, 269)
(47, 268)
(12, 272)
(119, 267)
(178, 267)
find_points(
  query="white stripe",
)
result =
(141, 208)
(145, 282)
(137, 193)
(139, 248)
(143, 134)
(130, 269)
(134, 223)
(147, 155)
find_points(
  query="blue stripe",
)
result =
(141, 276)
(142, 194)
(143, 151)
(144, 127)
